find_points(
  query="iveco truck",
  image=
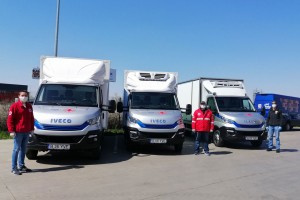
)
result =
(152, 114)
(71, 104)
(235, 116)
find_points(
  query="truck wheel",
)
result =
(96, 153)
(218, 141)
(288, 126)
(256, 143)
(178, 147)
(31, 154)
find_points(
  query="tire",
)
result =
(257, 143)
(217, 139)
(287, 126)
(31, 154)
(96, 153)
(178, 147)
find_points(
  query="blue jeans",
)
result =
(274, 130)
(19, 150)
(202, 137)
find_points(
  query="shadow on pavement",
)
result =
(53, 169)
(288, 150)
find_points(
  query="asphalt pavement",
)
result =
(234, 172)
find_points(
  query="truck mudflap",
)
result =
(230, 134)
(91, 140)
(170, 138)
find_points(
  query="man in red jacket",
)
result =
(20, 124)
(202, 124)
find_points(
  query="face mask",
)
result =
(202, 106)
(274, 105)
(23, 99)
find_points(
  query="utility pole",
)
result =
(57, 26)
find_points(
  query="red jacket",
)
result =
(203, 121)
(20, 119)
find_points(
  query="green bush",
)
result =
(4, 107)
(115, 121)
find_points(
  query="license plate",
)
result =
(59, 146)
(251, 138)
(158, 141)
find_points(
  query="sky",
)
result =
(254, 40)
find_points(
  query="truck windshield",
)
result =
(235, 104)
(67, 95)
(154, 100)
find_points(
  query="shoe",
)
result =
(268, 149)
(207, 153)
(196, 153)
(277, 150)
(24, 169)
(16, 172)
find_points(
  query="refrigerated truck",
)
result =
(70, 107)
(287, 104)
(152, 114)
(235, 116)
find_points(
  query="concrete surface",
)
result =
(237, 171)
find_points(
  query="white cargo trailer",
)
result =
(235, 116)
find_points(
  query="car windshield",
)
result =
(67, 95)
(154, 100)
(235, 104)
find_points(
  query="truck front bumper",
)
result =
(171, 138)
(230, 134)
(91, 140)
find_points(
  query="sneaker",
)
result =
(268, 149)
(196, 153)
(207, 153)
(24, 169)
(16, 172)
(277, 150)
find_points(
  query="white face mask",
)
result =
(23, 99)
(274, 105)
(202, 106)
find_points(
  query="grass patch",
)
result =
(113, 132)
(4, 135)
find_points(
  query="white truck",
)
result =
(235, 115)
(152, 114)
(70, 107)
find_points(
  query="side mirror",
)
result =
(188, 109)
(112, 106)
(120, 107)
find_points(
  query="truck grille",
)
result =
(59, 139)
(157, 135)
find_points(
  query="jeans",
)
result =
(19, 150)
(274, 130)
(202, 137)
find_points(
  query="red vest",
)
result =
(203, 121)
(20, 119)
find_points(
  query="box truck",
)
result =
(235, 116)
(152, 114)
(71, 106)
(287, 104)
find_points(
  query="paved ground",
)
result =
(233, 172)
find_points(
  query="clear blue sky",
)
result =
(254, 40)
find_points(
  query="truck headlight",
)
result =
(180, 122)
(93, 121)
(229, 121)
(132, 119)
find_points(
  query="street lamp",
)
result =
(56, 32)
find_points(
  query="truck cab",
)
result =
(71, 106)
(152, 114)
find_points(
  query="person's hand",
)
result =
(12, 134)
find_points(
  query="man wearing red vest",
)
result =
(20, 124)
(202, 124)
